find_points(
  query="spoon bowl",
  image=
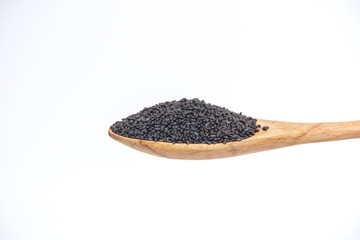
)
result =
(280, 134)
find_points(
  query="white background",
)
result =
(69, 69)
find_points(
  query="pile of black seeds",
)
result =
(187, 121)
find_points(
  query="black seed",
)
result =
(187, 121)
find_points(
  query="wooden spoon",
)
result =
(279, 134)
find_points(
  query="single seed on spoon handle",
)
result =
(279, 134)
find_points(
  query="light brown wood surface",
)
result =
(279, 134)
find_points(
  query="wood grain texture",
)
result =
(279, 134)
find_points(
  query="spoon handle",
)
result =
(321, 132)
